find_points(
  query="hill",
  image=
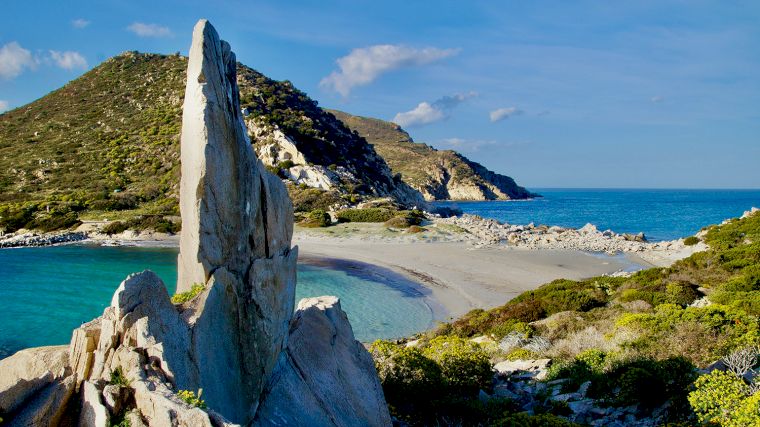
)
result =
(108, 141)
(437, 174)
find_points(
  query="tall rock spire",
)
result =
(237, 222)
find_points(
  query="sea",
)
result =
(659, 214)
(46, 292)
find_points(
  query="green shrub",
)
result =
(118, 378)
(521, 354)
(406, 373)
(524, 419)
(680, 293)
(184, 297)
(465, 367)
(114, 227)
(316, 218)
(190, 398)
(398, 222)
(723, 399)
(691, 241)
(406, 219)
(285, 164)
(54, 221)
(365, 215)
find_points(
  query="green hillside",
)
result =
(438, 174)
(106, 144)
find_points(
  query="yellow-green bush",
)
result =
(183, 297)
(316, 218)
(465, 367)
(722, 398)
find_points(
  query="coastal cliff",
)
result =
(229, 349)
(437, 174)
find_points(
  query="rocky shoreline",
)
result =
(489, 232)
(25, 238)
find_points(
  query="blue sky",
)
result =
(659, 94)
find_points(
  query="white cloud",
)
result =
(425, 113)
(13, 60)
(149, 30)
(364, 65)
(466, 145)
(657, 99)
(504, 113)
(3, 105)
(80, 23)
(68, 60)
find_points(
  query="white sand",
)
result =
(460, 276)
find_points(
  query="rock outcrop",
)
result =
(235, 341)
(322, 356)
(437, 174)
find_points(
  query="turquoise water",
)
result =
(47, 292)
(660, 214)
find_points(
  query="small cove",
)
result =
(47, 292)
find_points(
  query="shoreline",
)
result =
(461, 278)
(456, 269)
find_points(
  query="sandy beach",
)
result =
(462, 277)
(459, 270)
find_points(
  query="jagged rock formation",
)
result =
(437, 174)
(237, 340)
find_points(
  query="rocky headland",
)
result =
(233, 352)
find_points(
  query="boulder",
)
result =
(29, 371)
(93, 413)
(536, 369)
(324, 375)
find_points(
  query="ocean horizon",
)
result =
(661, 214)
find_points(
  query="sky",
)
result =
(602, 94)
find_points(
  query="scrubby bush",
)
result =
(309, 199)
(316, 218)
(191, 398)
(114, 227)
(416, 229)
(521, 354)
(440, 379)
(365, 215)
(407, 375)
(184, 297)
(465, 367)
(118, 377)
(691, 241)
(722, 398)
(680, 293)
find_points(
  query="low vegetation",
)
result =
(636, 340)
(406, 219)
(189, 397)
(184, 297)
(316, 218)
(365, 215)
(118, 378)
